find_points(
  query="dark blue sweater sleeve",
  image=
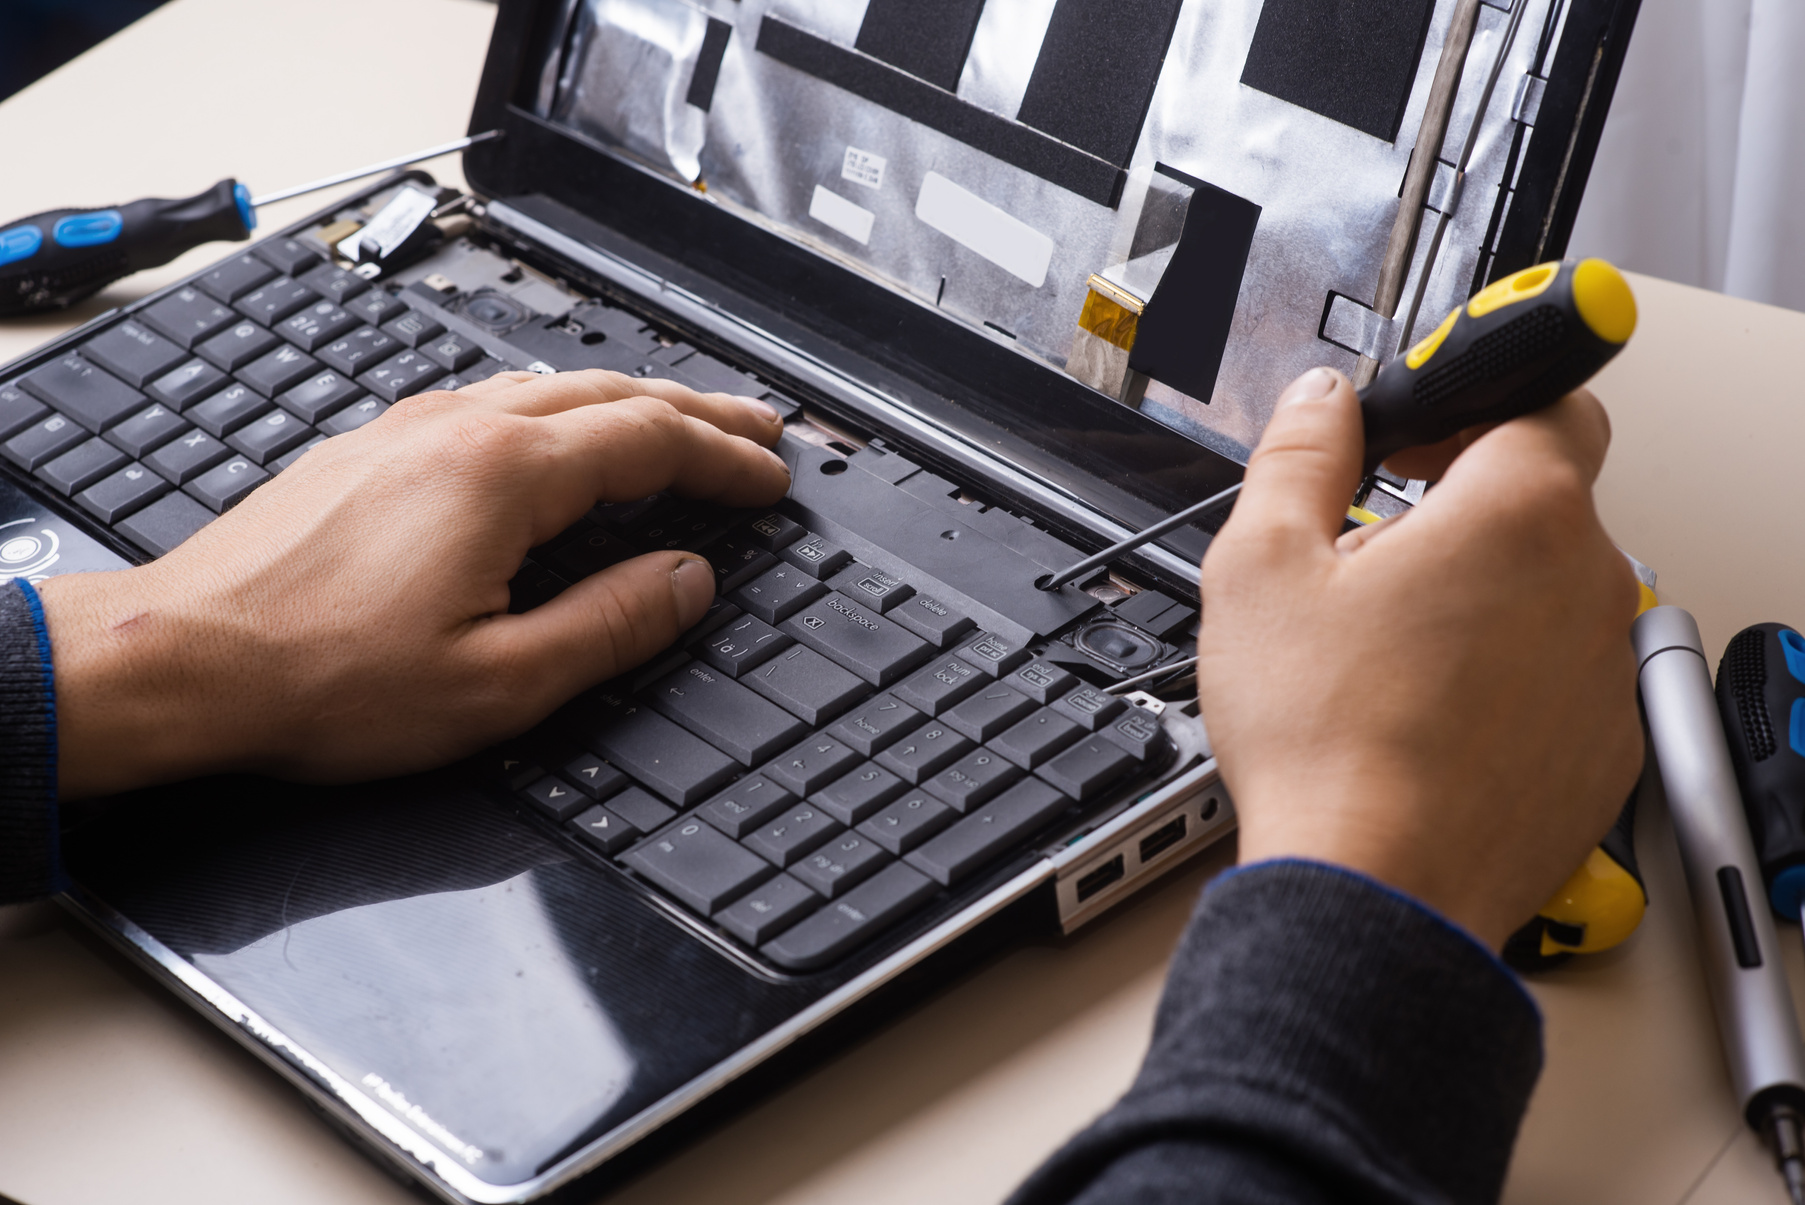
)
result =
(29, 863)
(1321, 1038)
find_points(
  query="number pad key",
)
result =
(698, 865)
(811, 765)
(842, 863)
(977, 776)
(745, 805)
(1086, 769)
(924, 753)
(908, 822)
(939, 686)
(797, 830)
(852, 797)
(877, 724)
(768, 910)
(964, 848)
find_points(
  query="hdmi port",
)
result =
(1110, 872)
(1162, 838)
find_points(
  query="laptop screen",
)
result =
(1169, 207)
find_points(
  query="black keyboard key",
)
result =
(237, 276)
(805, 683)
(482, 370)
(593, 776)
(974, 778)
(92, 397)
(288, 458)
(768, 910)
(603, 829)
(317, 325)
(816, 556)
(18, 410)
(811, 765)
(133, 353)
(678, 765)
(401, 376)
(511, 766)
(589, 552)
(287, 255)
(270, 436)
(687, 526)
(858, 638)
(741, 644)
(851, 921)
(964, 848)
(414, 328)
(736, 561)
(44, 441)
(877, 724)
(724, 713)
(278, 370)
(272, 302)
(82, 465)
(322, 394)
(698, 865)
(1088, 768)
(779, 593)
(1138, 732)
(165, 523)
(228, 484)
(127, 490)
(924, 752)
(237, 346)
(876, 589)
(1036, 739)
(1041, 681)
(745, 805)
(772, 531)
(181, 387)
(187, 456)
(842, 864)
(719, 612)
(556, 798)
(939, 685)
(188, 316)
(989, 712)
(852, 797)
(993, 654)
(640, 808)
(354, 416)
(227, 410)
(533, 585)
(363, 348)
(336, 284)
(932, 620)
(794, 832)
(908, 822)
(1088, 707)
(452, 352)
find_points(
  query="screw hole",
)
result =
(1209, 808)
(591, 338)
(833, 467)
(950, 535)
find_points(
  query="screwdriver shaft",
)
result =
(372, 169)
(1187, 515)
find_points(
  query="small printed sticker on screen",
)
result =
(863, 167)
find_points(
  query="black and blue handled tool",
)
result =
(1517, 345)
(51, 260)
(1761, 699)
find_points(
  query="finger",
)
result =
(1428, 462)
(639, 447)
(498, 383)
(555, 394)
(605, 624)
(1575, 431)
(1352, 541)
(1302, 476)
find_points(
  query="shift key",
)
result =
(858, 638)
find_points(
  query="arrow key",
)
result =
(556, 798)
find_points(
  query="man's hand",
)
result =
(1445, 701)
(349, 619)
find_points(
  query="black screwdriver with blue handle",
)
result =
(54, 259)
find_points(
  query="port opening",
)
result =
(1110, 872)
(1163, 838)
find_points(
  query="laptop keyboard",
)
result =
(832, 749)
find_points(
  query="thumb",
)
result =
(607, 623)
(1302, 476)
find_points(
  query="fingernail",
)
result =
(692, 581)
(764, 410)
(1318, 382)
(781, 462)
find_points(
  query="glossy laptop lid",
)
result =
(1111, 228)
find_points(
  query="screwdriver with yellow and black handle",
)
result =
(1517, 345)
(54, 259)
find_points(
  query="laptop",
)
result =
(1023, 277)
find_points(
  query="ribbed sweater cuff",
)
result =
(30, 861)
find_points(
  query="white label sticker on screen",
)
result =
(836, 212)
(863, 167)
(968, 219)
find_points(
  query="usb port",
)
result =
(1110, 872)
(1162, 838)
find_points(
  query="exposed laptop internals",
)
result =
(1005, 326)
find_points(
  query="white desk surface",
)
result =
(111, 1090)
